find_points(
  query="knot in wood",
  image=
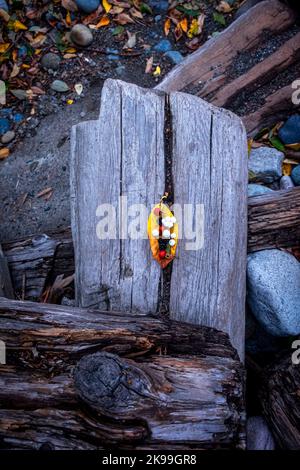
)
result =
(110, 383)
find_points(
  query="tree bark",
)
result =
(175, 385)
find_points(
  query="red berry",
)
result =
(162, 254)
(156, 211)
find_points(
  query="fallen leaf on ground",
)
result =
(167, 26)
(15, 71)
(4, 152)
(123, 18)
(184, 25)
(103, 22)
(69, 5)
(4, 47)
(78, 88)
(157, 71)
(149, 65)
(16, 25)
(107, 6)
(131, 42)
(286, 169)
(224, 7)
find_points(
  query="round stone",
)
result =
(296, 175)
(7, 137)
(81, 35)
(59, 86)
(50, 61)
(88, 6)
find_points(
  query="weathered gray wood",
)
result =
(174, 384)
(210, 168)
(121, 154)
(6, 289)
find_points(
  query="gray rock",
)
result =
(296, 175)
(163, 45)
(81, 35)
(258, 189)
(286, 182)
(8, 137)
(259, 436)
(3, 5)
(59, 86)
(88, 6)
(50, 61)
(289, 133)
(175, 56)
(266, 164)
(158, 6)
(273, 295)
(120, 70)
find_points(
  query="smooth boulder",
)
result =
(81, 35)
(289, 133)
(258, 190)
(273, 291)
(265, 164)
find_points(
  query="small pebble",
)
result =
(81, 35)
(88, 6)
(289, 133)
(296, 175)
(163, 45)
(257, 190)
(59, 86)
(158, 6)
(4, 125)
(286, 182)
(50, 61)
(7, 137)
(174, 56)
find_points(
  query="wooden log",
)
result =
(120, 155)
(208, 284)
(274, 220)
(6, 289)
(281, 402)
(209, 63)
(209, 72)
(184, 389)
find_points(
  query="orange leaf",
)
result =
(167, 26)
(4, 153)
(4, 47)
(68, 19)
(103, 22)
(184, 25)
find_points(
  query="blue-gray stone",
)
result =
(158, 6)
(258, 189)
(266, 164)
(120, 70)
(3, 5)
(163, 45)
(157, 18)
(113, 57)
(289, 133)
(4, 125)
(286, 182)
(88, 6)
(273, 291)
(296, 175)
(174, 56)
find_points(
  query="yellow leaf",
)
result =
(167, 26)
(18, 26)
(68, 19)
(286, 169)
(157, 71)
(69, 56)
(153, 224)
(295, 147)
(184, 25)
(106, 6)
(193, 29)
(25, 66)
(4, 47)
(4, 152)
(70, 102)
(250, 142)
(71, 50)
(103, 22)
(37, 51)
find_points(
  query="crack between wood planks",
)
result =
(121, 186)
(166, 274)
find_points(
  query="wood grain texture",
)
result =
(274, 220)
(174, 385)
(121, 154)
(209, 165)
(6, 288)
(209, 63)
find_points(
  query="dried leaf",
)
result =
(123, 18)
(157, 71)
(184, 25)
(16, 25)
(107, 6)
(295, 147)
(286, 169)
(167, 26)
(37, 90)
(4, 15)
(178, 32)
(4, 47)
(149, 65)
(103, 22)
(4, 152)
(68, 19)
(15, 71)
(224, 7)
(136, 13)
(131, 42)
(69, 56)
(93, 17)
(78, 88)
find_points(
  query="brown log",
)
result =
(183, 389)
(274, 220)
(280, 400)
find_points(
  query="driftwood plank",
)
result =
(210, 168)
(121, 154)
(174, 384)
(6, 288)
